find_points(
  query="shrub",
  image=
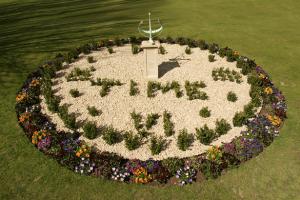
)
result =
(204, 112)
(211, 169)
(162, 50)
(133, 88)
(90, 130)
(137, 120)
(110, 50)
(53, 103)
(135, 49)
(222, 127)
(168, 125)
(213, 48)
(152, 87)
(151, 120)
(193, 92)
(203, 45)
(74, 93)
(211, 58)
(90, 59)
(239, 119)
(132, 141)
(111, 136)
(78, 74)
(92, 68)
(246, 64)
(173, 164)
(231, 96)
(93, 111)
(106, 85)
(157, 144)
(188, 50)
(226, 74)
(68, 119)
(205, 135)
(184, 140)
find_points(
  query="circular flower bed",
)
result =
(70, 150)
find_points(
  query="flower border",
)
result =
(69, 151)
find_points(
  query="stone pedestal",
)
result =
(151, 53)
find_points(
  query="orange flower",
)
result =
(34, 83)
(24, 117)
(21, 97)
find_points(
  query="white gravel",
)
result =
(118, 104)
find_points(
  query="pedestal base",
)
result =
(151, 51)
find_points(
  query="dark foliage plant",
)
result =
(211, 58)
(205, 135)
(157, 144)
(74, 93)
(204, 112)
(90, 130)
(184, 140)
(222, 127)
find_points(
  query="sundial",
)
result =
(150, 48)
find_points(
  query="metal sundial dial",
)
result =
(149, 33)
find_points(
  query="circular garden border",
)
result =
(70, 151)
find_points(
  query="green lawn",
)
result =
(32, 31)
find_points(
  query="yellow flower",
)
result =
(268, 90)
(236, 53)
(262, 76)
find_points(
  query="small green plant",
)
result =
(231, 96)
(135, 49)
(239, 119)
(92, 68)
(211, 58)
(162, 50)
(90, 130)
(93, 111)
(106, 85)
(173, 164)
(133, 88)
(184, 140)
(68, 119)
(213, 48)
(152, 88)
(222, 127)
(151, 120)
(74, 93)
(132, 141)
(137, 120)
(205, 135)
(188, 50)
(203, 45)
(157, 144)
(204, 112)
(111, 136)
(168, 125)
(78, 75)
(226, 74)
(90, 59)
(110, 50)
(193, 92)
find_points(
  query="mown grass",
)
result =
(34, 31)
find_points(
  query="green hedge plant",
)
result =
(157, 144)
(231, 96)
(205, 135)
(90, 130)
(184, 140)
(204, 112)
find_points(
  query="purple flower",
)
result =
(44, 144)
